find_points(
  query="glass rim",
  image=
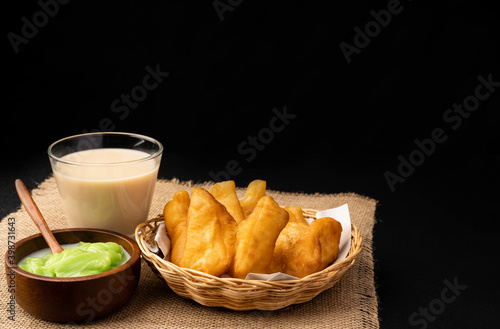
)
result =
(149, 157)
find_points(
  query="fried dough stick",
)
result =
(296, 225)
(210, 235)
(175, 213)
(225, 193)
(255, 190)
(314, 249)
(256, 238)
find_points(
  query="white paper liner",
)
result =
(341, 214)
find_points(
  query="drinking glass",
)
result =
(106, 180)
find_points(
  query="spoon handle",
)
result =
(37, 217)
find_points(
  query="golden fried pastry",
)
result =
(255, 190)
(287, 236)
(314, 249)
(296, 215)
(296, 225)
(225, 193)
(256, 238)
(175, 213)
(210, 235)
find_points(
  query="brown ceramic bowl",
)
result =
(75, 299)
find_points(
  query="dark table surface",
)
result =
(405, 112)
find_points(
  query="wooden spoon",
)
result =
(37, 217)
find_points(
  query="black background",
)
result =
(353, 121)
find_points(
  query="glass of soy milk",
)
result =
(106, 180)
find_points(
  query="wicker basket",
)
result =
(238, 294)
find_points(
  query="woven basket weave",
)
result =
(238, 294)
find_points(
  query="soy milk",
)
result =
(107, 188)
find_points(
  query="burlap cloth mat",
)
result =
(351, 303)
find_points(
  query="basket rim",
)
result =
(194, 275)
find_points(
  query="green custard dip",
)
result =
(78, 260)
